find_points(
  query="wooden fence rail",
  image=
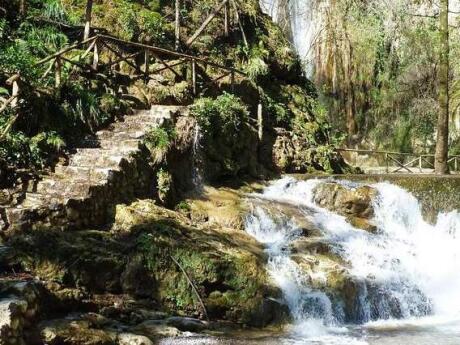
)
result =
(396, 162)
(129, 53)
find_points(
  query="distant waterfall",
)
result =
(407, 269)
(302, 20)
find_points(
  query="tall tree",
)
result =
(89, 10)
(442, 140)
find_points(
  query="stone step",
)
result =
(100, 170)
(77, 173)
(146, 119)
(37, 200)
(96, 158)
(55, 186)
(118, 136)
(125, 147)
(168, 109)
(131, 126)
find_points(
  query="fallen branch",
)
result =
(192, 285)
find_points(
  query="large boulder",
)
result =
(354, 203)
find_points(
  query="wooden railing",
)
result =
(137, 55)
(396, 162)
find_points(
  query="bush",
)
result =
(82, 105)
(160, 137)
(20, 151)
(224, 115)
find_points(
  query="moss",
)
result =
(218, 262)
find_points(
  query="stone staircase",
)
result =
(110, 167)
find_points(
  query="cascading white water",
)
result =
(303, 26)
(408, 269)
(197, 175)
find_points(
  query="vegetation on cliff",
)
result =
(51, 120)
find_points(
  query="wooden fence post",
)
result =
(226, 10)
(96, 55)
(147, 62)
(15, 94)
(260, 123)
(22, 8)
(232, 81)
(420, 164)
(58, 72)
(194, 76)
(456, 163)
(177, 25)
(88, 15)
(387, 163)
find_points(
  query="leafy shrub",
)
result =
(160, 137)
(223, 115)
(42, 41)
(183, 206)
(15, 58)
(82, 105)
(151, 24)
(21, 151)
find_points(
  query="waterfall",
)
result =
(197, 160)
(406, 270)
(299, 19)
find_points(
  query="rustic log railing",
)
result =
(396, 162)
(125, 51)
(129, 53)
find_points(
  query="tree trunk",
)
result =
(89, 9)
(442, 140)
(177, 25)
(22, 8)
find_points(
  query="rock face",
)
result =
(18, 310)
(354, 203)
(293, 154)
(111, 167)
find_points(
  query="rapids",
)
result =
(407, 272)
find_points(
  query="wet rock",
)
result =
(75, 332)
(187, 324)
(7, 257)
(133, 339)
(18, 310)
(155, 329)
(354, 203)
(136, 279)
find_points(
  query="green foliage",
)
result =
(53, 9)
(151, 25)
(21, 151)
(224, 115)
(160, 137)
(17, 57)
(3, 28)
(256, 65)
(183, 206)
(42, 41)
(81, 105)
(277, 110)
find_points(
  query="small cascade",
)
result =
(406, 269)
(197, 158)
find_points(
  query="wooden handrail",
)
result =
(393, 157)
(388, 152)
(169, 52)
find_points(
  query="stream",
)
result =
(399, 284)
